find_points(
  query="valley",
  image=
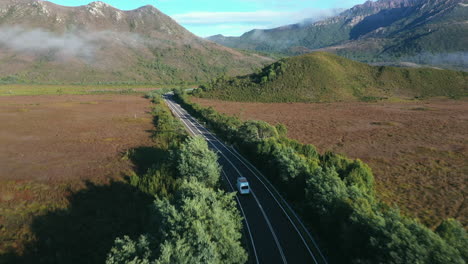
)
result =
(124, 130)
(416, 149)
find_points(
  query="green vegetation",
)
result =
(145, 46)
(324, 77)
(336, 197)
(454, 233)
(424, 32)
(197, 162)
(176, 65)
(199, 64)
(200, 226)
(163, 213)
(191, 220)
(61, 89)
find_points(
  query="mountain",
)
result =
(325, 77)
(44, 42)
(422, 31)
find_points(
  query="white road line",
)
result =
(287, 215)
(282, 208)
(245, 217)
(240, 174)
(286, 203)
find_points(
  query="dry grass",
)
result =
(68, 89)
(51, 145)
(417, 150)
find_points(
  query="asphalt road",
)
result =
(274, 232)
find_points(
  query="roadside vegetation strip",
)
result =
(229, 184)
(193, 221)
(336, 196)
(289, 213)
(180, 115)
(244, 217)
(296, 219)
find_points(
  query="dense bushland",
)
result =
(336, 197)
(324, 77)
(192, 221)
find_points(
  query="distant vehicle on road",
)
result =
(243, 185)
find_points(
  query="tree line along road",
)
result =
(274, 232)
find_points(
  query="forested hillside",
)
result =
(324, 77)
(43, 42)
(422, 31)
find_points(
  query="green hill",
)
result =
(324, 77)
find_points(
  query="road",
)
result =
(275, 233)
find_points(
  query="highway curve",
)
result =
(275, 233)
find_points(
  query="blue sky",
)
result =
(233, 17)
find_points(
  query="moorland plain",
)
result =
(52, 145)
(417, 149)
(64, 89)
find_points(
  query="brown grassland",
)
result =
(50, 146)
(418, 150)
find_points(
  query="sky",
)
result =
(233, 17)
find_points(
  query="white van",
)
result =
(243, 185)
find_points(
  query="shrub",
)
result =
(336, 196)
(191, 221)
(282, 130)
(196, 161)
(169, 131)
(256, 131)
(156, 95)
(324, 77)
(454, 233)
(159, 181)
(127, 251)
(324, 192)
(202, 226)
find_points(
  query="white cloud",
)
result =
(257, 17)
(71, 44)
(229, 17)
(225, 29)
(235, 23)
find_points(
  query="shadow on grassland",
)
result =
(144, 158)
(86, 230)
(97, 214)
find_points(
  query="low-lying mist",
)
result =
(71, 44)
(458, 60)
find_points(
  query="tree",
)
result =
(325, 192)
(202, 226)
(127, 251)
(196, 161)
(360, 175)
(455, 235)
(256, 131)
(282, 130)
(157, 181)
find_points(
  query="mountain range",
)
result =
(422, 31)
(44, 42)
